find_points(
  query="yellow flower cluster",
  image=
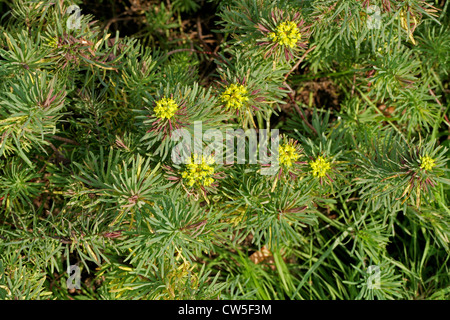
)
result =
(287, 154)
(287, 34)
(320, 167)
(165, 108)
(427, 163)
(199, 172)
(234, 96)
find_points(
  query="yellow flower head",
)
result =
(234, 96)
(427, 163)
(320, 167)
(200, 173)
(165, 108)
(287, 154)
(287, 34)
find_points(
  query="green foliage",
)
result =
(357, 208)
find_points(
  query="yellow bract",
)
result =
(404, 24)
(200, 173)
(320, 167)
(234, 96)
(427, 163)
(165, 108)
(287, 154)
(287, 34)
(52, 42)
